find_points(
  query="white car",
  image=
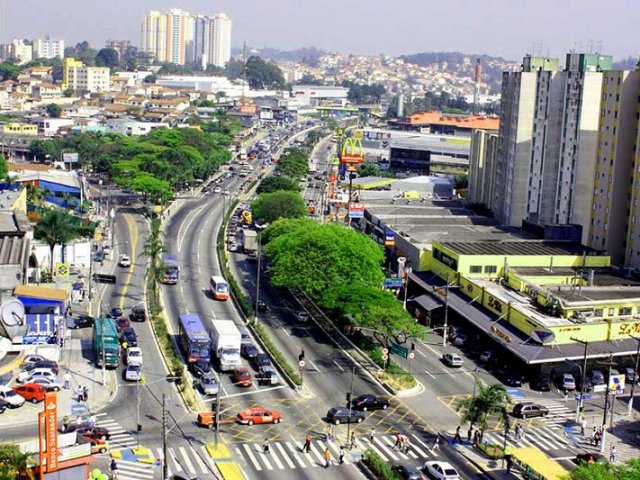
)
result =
(12, 399)
(233, 247)
(51, 384)
(452, 360)
(226, 192)
(134, 356)
(125, 261)
(27, 376)
(133, 373)
(217, 190)
(302, 316)
(441, 471)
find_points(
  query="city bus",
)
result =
(194, 338)
(171, 269)
(219, 288)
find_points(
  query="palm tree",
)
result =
(490, 401)
(153, 247)
(14, 464)
(55, 228)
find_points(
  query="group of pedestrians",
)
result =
(402, 443)
(306, 448)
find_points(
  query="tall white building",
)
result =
(219, 40)
(154, 35)
(47, 48)
(200, 47)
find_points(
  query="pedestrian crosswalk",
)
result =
(185, 458)
(289, 455)
(119, 437)
(548, 439)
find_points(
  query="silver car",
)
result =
(51, 384)
(208, 385)
(133, 373)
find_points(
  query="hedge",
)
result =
(381, 469)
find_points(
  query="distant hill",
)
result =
(307, 55)
(628, 63)
(458, 63)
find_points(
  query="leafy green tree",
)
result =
(262, 75)
(294, 164)
(55, 227)
(54, 110)
(389, 323)
(272, 184)
(489, 401)
(153, 248)
(233, 69)
(107, 57)
(14, 464)
(151, 186)
(46, 150)
(9, 70)
(4, 167)
(279, 204)
(83, 52)
(368, 170)
(302, 249)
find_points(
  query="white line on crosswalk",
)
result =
(272, 454)
(247, 449)
(296, 454)
(317, 454)
(185, 458)
(284, 455)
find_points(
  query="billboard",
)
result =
(70, 157)
(51, 430)
(356, 210)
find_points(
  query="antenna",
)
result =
(244, 69)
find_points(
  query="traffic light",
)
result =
(348, 399)
(139, 428)
(413, 346)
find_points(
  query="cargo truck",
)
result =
(249, 239)
(106, 342)
(225, 344)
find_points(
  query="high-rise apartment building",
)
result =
(220, 40)
(484, 147)
(47, 48)
(181, 38)
(547, 141)
(80, 78)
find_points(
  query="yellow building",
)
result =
(68, 65)
(20, 129)
(536, 299)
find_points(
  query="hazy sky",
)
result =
(509, 28)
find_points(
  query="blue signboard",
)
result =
(389, 239)
(392, 283)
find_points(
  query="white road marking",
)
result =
(338, 365)
(251, 392)
(430, 374)
(285, 331)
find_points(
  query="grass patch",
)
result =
(394, 375)
(381, 469)
(491, 450)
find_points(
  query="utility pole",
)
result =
(446, 314)
(217, 419)
(350, 399)
(165, 466)
(635, 375)
(407, 272)
(580, 406)
(606, 406)
(475, 381)
(255, 318)
(104, 355)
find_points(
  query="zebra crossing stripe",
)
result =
(272, 454)
(185, 458)
(375, 448)
(284, 455)
(253, 459)
(198, 458)
(387, 451)
(318, 455)
(296, 454)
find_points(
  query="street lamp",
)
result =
(635, 375)
(255, 318)
(407, 272)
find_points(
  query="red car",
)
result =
(242, 377)
(31, 392)
(258, 415)
(97, 444)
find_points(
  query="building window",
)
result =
(475, 269)
(597, 312)
(490, 269)
(612, 312)
(625, 311)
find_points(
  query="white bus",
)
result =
(219, 288)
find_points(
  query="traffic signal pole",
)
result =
(350, 401)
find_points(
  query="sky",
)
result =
(507, 28)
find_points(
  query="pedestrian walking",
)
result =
(612, 454)
(398, 441)
(476, 438)
(436, 443)
(265, 446)
(330, 433)
(566, 396)
(327, 457)
(404, 440)
(113, 468)
(341, 455)
(597, 437)
(469, 434)
(372, 433)
(509, 464)
(352, 443)
(593, 435)
(457, 437)
(85, 394)
(307, 444)
(67, 380)
(583, 426)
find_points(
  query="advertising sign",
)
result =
(63, 269)
(543, 335)
(616, 384)
(389, 239)
(392, 282)
(70, 157)
(51, 430)
(352, 151)
(356, 210)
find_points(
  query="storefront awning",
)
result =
(428, 302)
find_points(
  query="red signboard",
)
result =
(351, 158)
(51, 430)
(356, 210)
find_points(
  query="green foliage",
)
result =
(9, 70)
(83, 52)
(491, 450)
(46, 150)
(14, 464)
(56, 227)
(380, 468)
(490, 400)
(152, 248)
(158, 190)
(301, 250)
(364, 94)
(272, 184)
(54, 110)
(461, 181)
(294, 163)
(263, 75)
(107, 57)
(4, 167)
(630, 470)
(269, 207)
(368, 170)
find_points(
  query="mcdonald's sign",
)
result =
(352, 151)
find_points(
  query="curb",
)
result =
(12, 365)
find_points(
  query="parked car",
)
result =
(207, 385)
(566, 382)
(452, 360)
(267, 375)
(138, 314)
(115, 312)
(46, 364)
(588, 386)
(31, 392)
(338, 415)
(200, 368)
(302, 316)
(262, 360)
(11, 398)
(81, 321)
(542, 383)
(125, 261)
(440, 470)
(242, 377)
(233, 247)
(258, 415)
(3, 406)
(630, 374)
(407, 471)
(128, 335)
(460, 340)
(134, 356)
(487, 356)
(133, 373)
(50, 384)
(597, 378)
(529, 409)
(369, 402)
(31, 359)
(25, 377)
(248, 351)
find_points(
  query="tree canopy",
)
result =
(272, 184)
(270, 207)
(56, 227)
(83, 52)
(630, 470)
(364, 94)
(490, 400)
(14, 464)
(301, 249)
(294, 163)
(107, 57)
(54, 110)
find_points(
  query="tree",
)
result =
(9, 70)
(151, 186)
(368, 170)
(294, 164)
(55, 227)
(54, 110)
(490, 400)
(630, 470)
(46, 150)
(83, 52)
(153, 248)
(107, 57)
(299, 250)
(14, 464)
(262, 75)
(4, 167)
(272, 184)
(279, 204)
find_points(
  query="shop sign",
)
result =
(542, 335)
(500, 334)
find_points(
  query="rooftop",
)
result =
(526, 247)
(437, 118)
